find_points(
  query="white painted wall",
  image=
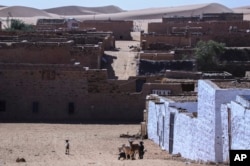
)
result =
(152, 122)
(240, 120)
(184, 135)
(206, 121)
(223, 96)
(225, 130)
(206, 137)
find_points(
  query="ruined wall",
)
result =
(64, 93)
(120, 29)
(51, 53)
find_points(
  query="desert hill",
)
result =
(22, 11)
(114, 12)
(78, 10)
(245, 10)
(157, 13)
(30, 15)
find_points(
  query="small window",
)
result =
(35, 107)
(2, 106)
(71, 108)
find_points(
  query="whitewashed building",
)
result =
(202, 128)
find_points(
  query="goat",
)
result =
(134, 147)
(121, 153)
(128, 151)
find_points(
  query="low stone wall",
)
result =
(156, 56)
(156, 67)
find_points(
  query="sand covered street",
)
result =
(96, 145)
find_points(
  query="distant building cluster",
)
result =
(120, 29)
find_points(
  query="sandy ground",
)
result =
(95, 145)
(125, 62)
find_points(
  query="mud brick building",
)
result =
(57, 24)
(228, 28)
(121, 29)
(51, 53)
(72, 93)
(51, 77)
(62, 93)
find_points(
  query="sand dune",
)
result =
(22, 11)
(114, 12)
(78, 10)
(244, 9)
(30, 15)
(157, 13)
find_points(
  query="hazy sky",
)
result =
(124, 4)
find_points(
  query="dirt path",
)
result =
(124, 61)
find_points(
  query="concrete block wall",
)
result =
(240, 129)
(184, 135)
(225, 108)
(223, 96)
(208, 134)
(158, 123)
(152, 122)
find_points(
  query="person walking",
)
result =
(67, 147)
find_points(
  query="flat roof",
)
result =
(232, 84)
